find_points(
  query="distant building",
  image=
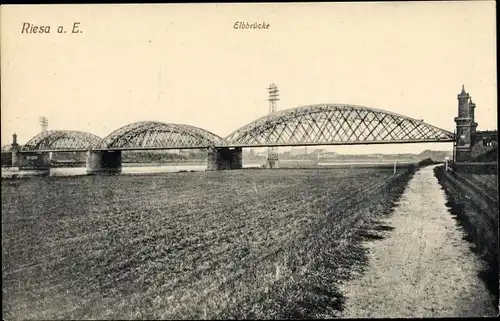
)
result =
(485, 145)
(296, 151)
(317, 152)
(329, 154)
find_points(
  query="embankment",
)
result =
(477, 212)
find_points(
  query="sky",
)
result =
(187, 64)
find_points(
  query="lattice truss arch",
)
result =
(62, 140)
(153, 134)
(334, 124)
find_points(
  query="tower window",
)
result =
(487, 142)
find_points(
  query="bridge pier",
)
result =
(225, 158)
(104, 162)
(30, 160)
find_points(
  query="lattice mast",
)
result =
(44, 123)
(272, 154)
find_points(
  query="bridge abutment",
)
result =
(225, 158)
(6, 159)
(104, 162)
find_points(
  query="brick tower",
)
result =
(465, 127)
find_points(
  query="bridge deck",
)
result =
(230, 145)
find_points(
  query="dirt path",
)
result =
(423, 268)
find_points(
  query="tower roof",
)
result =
(463, 93)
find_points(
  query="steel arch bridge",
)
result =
(324, 124)
(62, 140)
(334, 124)
(146, 135)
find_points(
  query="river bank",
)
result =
(148, 168)
(243, 244)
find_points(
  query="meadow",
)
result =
(229, 244)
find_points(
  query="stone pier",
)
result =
(31, 160)
(104, 162)
(225, 158)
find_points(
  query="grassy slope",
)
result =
(480, 225)
(246, 244)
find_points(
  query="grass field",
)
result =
(230, 244)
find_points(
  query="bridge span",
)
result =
(320, 124)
